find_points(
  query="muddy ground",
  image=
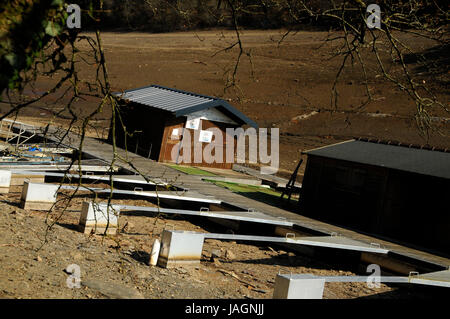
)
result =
(33, 260)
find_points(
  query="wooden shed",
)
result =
(159, 118)
(395, 192)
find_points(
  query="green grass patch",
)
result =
(191, 170)
(262, 194)
(244, 188)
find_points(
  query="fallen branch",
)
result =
(232, 274)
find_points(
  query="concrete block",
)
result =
(19, 179)
(154, 255)
(37, 196)
(180, 248)
(5, 181)
(304, 286)
(98, 218)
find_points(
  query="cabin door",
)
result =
(173, 131)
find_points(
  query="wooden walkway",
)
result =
(194, 184)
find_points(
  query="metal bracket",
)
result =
(204, 209)
(290, 236)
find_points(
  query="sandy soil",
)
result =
(117, 267)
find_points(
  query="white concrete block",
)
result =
(180, 247)
(304, 286)
(38, 196)
(5, 181)
(98, 218)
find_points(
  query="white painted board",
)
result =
(205, 136)
(193, 123)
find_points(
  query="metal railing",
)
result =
(11, 129)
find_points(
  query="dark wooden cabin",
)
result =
(394, 192)
(157, 116)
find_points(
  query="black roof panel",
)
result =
(421, 161)
(180, 102)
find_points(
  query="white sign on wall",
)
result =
(205, 136)
(193, 123)
(175, 134)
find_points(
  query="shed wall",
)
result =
(152, 137)
(406, 207)
(146, 127)
(170, 141)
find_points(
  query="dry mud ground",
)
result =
(290, 80)
(117, 267)
(284, 85)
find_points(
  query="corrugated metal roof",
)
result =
(426, 162)
(180, 102)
